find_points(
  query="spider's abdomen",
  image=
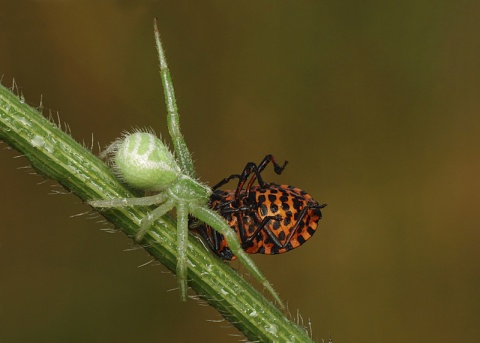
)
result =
(144, 162)
(270, 220)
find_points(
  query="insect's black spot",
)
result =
(261, 250)
(301, 226)
(258, 238)
(251, 229)
(263, 210)
(246, 245)
(310, 230)
(285, 206)
(300, 239)
(261, 199)
(267, 240)
(273, 208)
(272, 197)
(281, 235)
(276, 225)
(273, 191)
(286, 221)
(297, 204)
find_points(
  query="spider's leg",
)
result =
(124, 202)
(147, 222)
(213, 219)
(110, 149)
(173, 118)
(182, 237)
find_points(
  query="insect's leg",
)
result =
(218, 223)
(210, 236)
(276, 167)
(147, 222)
(215, 240)
(239, 213)
(173, 118)
(124, 202)
(299, 220)
(182, 237)
(272, 236)
(252, 168)
(226, 180)
(242, 178)
(263, 226)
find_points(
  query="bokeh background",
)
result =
(374, 104)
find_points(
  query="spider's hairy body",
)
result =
(186, 188)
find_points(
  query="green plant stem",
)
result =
(57, 156)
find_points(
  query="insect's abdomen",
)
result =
(287, 231)
(287, 202)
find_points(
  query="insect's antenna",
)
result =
(173, 118)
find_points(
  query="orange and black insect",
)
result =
(268, 218)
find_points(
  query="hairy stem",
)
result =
(56, 155)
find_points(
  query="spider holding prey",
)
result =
(144, 162)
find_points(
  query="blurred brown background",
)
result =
(375, 105)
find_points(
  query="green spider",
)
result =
(144, 162)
